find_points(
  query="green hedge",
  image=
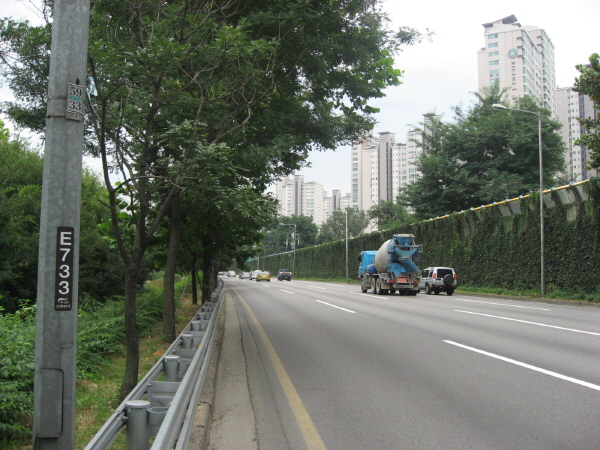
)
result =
(486, 248)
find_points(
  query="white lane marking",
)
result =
(528, 366)
(369, 295)
(530, 323)
(316, 287)
(338, 307)
(289, 292)
(501, 304)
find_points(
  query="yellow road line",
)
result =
(309, 431)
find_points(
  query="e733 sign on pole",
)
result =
(63, 290)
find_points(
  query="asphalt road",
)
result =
(330, 367)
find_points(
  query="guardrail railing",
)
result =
(165, 400)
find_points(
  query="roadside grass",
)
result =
(552, 293)
(97, 396)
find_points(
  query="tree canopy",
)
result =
(278, 236)
(210, 101)
(100, 269)
(389, 214)
(588, 83)
(486, 155)
(335, 227)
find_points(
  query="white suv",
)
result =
(438, 279)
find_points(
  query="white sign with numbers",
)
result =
(75, 102)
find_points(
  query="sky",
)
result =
(442, 73)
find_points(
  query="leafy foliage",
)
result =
(486, 155)
(17, 338)
(101, 331)
(100, 272)
(278, 235)
(588, 83)
(335, 227)
(390, 214)
(101, 327)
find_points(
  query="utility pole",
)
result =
(58, 264)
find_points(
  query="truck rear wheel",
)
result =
(377, 288)
(383, 290)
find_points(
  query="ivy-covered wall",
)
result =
(486, 247)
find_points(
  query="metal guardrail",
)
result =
(164, 402)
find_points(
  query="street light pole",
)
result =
(293, 247)
(346, 211)
(542, 237)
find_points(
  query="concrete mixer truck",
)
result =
(391, 269)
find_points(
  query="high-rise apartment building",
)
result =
(518, 57)
(288, 192)
(381, 169)
(313, 202)
(297, 197)
(404, 159)
(361, 172)
(571, 105)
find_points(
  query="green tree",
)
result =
(588, 83)
(253, 85)
(335, 227)
(278, 237)
(487, 155)
(20, 201)
(4, 133)
(21, 168)
(389, 214)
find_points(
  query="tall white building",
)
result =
(569, 106)
(346, 202)
(519, 57)
(380, 167)
(297, 197)
(313, 202)
(404, 159)
(361, 172)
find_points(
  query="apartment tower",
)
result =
(520, 58)
(570, 106)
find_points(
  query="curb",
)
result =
(200, 436)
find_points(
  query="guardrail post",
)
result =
(171, 367)
(187, 341)
(137, 431)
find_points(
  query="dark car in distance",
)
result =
(284, 274)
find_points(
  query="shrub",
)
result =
(17, 339)
(101, 329)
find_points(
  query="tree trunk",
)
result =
(170, 271)
(209, 273)
(130, 377)
(194, 277)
